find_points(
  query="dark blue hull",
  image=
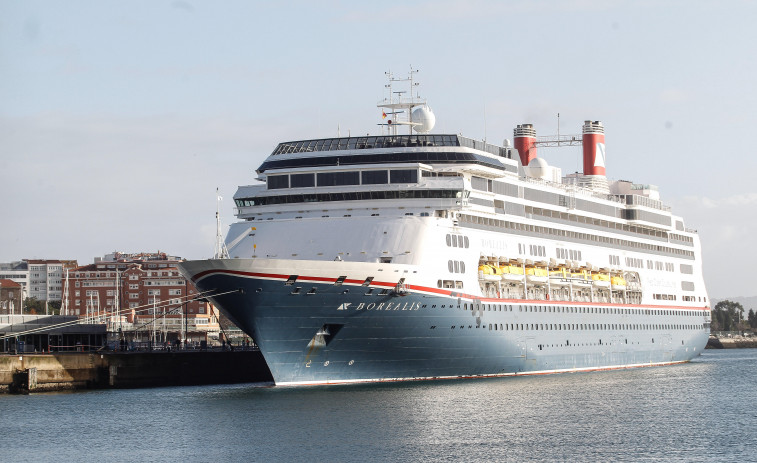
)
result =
(326, 333)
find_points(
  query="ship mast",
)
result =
(400, 106)
(220, 252)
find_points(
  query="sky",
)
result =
(119, 119)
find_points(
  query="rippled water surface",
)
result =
(702, 411)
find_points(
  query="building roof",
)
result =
(66, 263)
(14, 266)
(5, 283)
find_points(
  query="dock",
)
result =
(39, 372)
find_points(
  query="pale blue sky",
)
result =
(118, 119)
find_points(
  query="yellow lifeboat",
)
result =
(601, 280)
(512, 273)
(581, 278)
(559, 277)
(536, 275)
(618, 283)
(489, 272)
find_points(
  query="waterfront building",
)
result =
(140, 292)
(46, 278)
(10, 297)
(17, 271)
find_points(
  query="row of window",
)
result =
(112, 292)
(664, 297)
(586, 327)
(497, 223)
(457, 241)
(636, 228)
(322, 179)
(573, 309)
(131, 276)
(666, 266)
(614, 260)
(536, 250)
(348, 196)
(677, 237)
(568, 254)
(449, 284)
(456, 266)
(132, 305)
(435, 157)
(366, 142)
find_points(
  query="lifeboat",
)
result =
(618, 283)
(581, 279)
(559, 277)
(489, 272)
(601, 280)
(512, 273)
(537, 276)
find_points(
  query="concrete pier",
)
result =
(23, 373)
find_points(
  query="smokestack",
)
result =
(525, 142)
(594, 148)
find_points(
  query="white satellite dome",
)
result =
(425, 117)
(537, 168)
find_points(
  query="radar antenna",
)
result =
(422, 121)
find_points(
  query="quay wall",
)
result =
(49, 372)
(731, 343)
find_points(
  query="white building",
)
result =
(18, 272)
(46, 278)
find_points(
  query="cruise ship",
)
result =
(413, 255)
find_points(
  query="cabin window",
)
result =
(277, 181)
(302, 180)
(403, 176)
(374, 177)
(338, 178)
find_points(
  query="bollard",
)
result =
(32, 379)
(113, 370)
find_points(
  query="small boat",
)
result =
(489, 272)
(601, 280)
(512, 273)
(582, 279)
(537, 276)
(559, 277)
(618, 283)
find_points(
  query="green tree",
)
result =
(32, 305)
(726, 316)
(752, 319)
(54, 307)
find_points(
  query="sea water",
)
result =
(705, 410)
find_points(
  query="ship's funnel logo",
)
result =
(599, 159)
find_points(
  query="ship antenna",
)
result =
(220, 252)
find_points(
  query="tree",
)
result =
(726, 316)
(33, 305)
(54, 307)
(752, 319)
